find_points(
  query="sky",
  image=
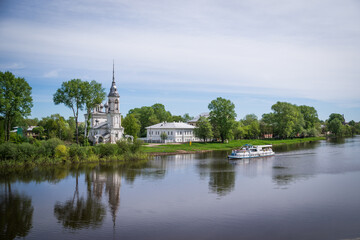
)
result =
(184, 54)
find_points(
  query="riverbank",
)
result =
(172, 149)
(55, 152)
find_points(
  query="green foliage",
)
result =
(250, 126)
(135, 146)
(203, 129)
(131, 125)
(148, 116)
(61, 151)
(107, 149)
(48, 147)
(222, 116)
(93, 94)
(335, 126)
(55, 126)
(9, 151)
(163, 136)
(73, 95)
(123, 146)
(15, 99)
(16, 138)
(27, 151)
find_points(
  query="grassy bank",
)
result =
(200, 147)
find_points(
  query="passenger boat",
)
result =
(250, 151)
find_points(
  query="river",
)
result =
(305, 191)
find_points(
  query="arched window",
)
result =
(116, 104)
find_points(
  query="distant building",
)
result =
(175, 131)
(194, 121)
(105, 123)
(29, 131)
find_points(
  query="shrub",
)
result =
(61, 151)
(135, 146)
(77, 152)
(123, 146)
(107, 149)
(9, 151)
(27, 151)
(48, 147)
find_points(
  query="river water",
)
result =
(306, 191)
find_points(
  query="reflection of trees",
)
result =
(16, 212)
(221, 176)
(79, 212)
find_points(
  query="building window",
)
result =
(116, 104)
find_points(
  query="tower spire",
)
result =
(113, 72)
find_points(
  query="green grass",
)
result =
(178, 148)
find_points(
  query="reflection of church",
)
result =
(112, 183)
(105, 123)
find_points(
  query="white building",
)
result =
(105, 123)
(175, 131)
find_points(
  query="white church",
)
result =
(105, 123)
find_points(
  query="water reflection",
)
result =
(79, 212)
(221, 176)
(16, 213)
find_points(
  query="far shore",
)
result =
(200, 147)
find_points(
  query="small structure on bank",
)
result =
(105, 122)
(175, 132)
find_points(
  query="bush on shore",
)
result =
(54, 151)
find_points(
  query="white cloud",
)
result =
(51, 74)
(274, 48)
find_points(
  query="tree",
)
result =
(131, 125)
(203, 129)
(161, 114)
(15, 99)
(72, 95)
(146, 117)
(187, 117)
(251, 126)
(163, 136)
(286, 119)
(222, 116)
(94, 94)
(335, 124)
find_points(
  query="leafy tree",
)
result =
(222, 116)
(203, 129)
(187, 117)
(56, 126)
(39, 131)
(177, 118)
(94, 94)
(15, 99)
(163, 136)
(131, 125)
(334, 124)
(72, 95)
(251, 126)
(161, 114)
(286, 119)
(146, 117)
(336, 116)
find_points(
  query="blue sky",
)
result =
(184, 54)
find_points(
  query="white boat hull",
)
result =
(243, 156)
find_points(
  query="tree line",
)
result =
(285, 121)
